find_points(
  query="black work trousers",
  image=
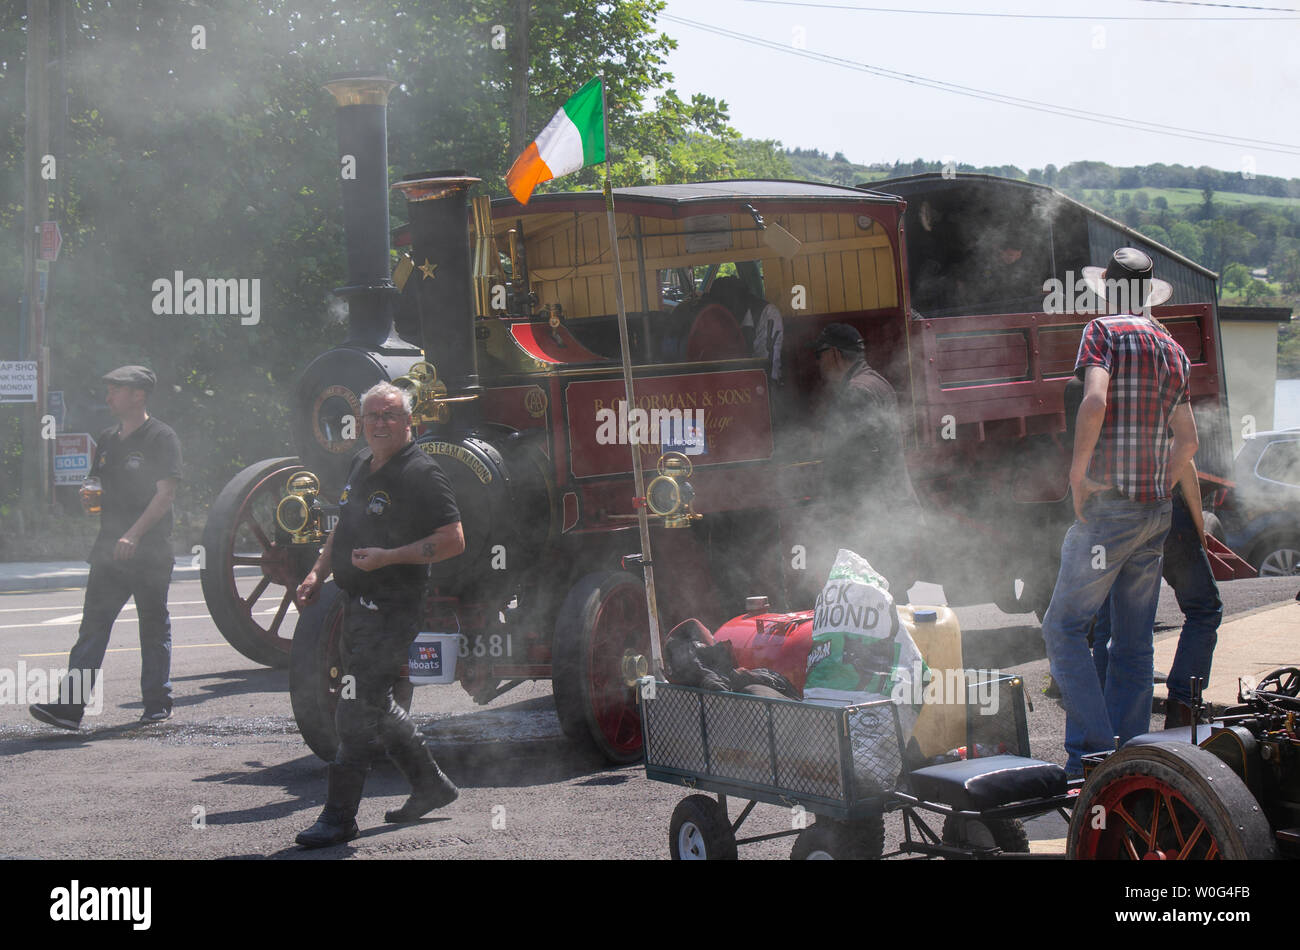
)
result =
(111, 584)
(370, 723)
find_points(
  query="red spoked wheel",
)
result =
(1167, 801)
(602, 620)
(250, 608)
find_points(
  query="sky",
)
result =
(1222, 80)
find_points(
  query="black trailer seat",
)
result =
(1180, 734)
(977, 784)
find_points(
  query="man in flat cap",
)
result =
(138, 462)
(870, 505)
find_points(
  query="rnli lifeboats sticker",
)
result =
(378, 503)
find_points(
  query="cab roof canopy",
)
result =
(962, 232)
(685, 196)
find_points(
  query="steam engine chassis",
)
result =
(518, 354)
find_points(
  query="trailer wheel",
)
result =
(700, 831)
(241, 531)
(1168, 801)
(316, 672)
(983, 834)
(828, 839)
(602, 619)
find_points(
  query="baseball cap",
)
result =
(839, 336)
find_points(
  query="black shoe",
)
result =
(157, 715)
(337, 822)
(56, 714)
(330, 828)
(430, 787)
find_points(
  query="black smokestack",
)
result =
(363, 169)
(438, 208)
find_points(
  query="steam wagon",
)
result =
(501, 320)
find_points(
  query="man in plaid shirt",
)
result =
(1125, 464)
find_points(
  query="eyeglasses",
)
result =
(388, 415)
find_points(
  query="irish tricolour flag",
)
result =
(573, 139)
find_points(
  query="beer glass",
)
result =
(91, 491)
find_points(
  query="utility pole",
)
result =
(36, 450)
(519, 81)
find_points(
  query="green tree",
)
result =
(1285, 267)
(1156, 233)
(221, 162)
(1224, 241)
(1235, 277)
(1256, 291)
(1186, 240)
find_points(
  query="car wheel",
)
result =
(1277, 556)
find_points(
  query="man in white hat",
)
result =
(1125, 465)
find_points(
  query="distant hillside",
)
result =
(1245, 229)
(814, 165)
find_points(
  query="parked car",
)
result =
(1261, 517)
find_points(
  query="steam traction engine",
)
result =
(516, 378)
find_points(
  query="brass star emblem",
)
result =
(428, 269)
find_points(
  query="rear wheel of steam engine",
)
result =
(602, 619)
(316, 672)
(829, 840)
(241, 532)
(701, 831)
(985, 834)
(1168, 801)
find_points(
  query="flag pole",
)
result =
(643, 522)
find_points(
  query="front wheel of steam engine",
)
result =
(602, 619)
(316, 672)
(241, 532)
(1167, 801)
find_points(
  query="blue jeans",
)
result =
(110, 585)
(1187, 570)
(1116, 553)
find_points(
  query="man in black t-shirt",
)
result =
(397, 515)
(138, 463)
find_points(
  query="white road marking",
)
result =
(175, 646)
(129, 606)
(76, 618)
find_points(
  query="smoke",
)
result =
(336, 310)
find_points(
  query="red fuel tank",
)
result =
(764, 640)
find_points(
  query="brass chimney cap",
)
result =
(361, 90)
(430, 189)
